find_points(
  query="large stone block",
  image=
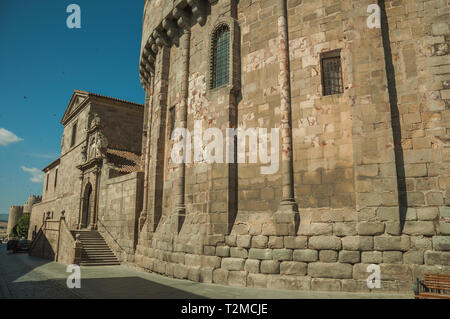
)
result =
(295, 242)
(349, 257)
(270, 267)
(262, 254)
(293, 268)
(243, 241)
(237, 278)
(259, 241)
(392, 257)
(275, 242)
(425, 228)
(237, 252)
(325, 242)
(305, 255)
(323, 284)
(370, 228)
(211, 262)
(257, 280)
(357, 243)
(414, 257)
(180, 271)
(282, 254)
(252, 266)
(223, 251)
(330, 270)
(328, 256)
(396, 272)
(441, 243)
(344, 229)
(371, 257)
(233, 263)
(220, 276)
(392, 243)
(289, 282)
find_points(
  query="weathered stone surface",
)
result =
(220, 276)
(211, 262)
(209, 250)
(243, 241)
(330, 270)
(275, 242)
(305, 255)
(257, 280)
(391, 243)
(223, 251)
(349, 257)
(193, 274)
(180, 271)
(444, 228)
(370, 228)
(270, 267)
(322, 284)
(441, 243)
(233, 263)
(357, 243)
(282, 254)
(237, 252)
(325, 242)
(414, 257)
(289, 282)
(263, 254)
(206, 275)
(328, 256)
(427, 213)
(392, 257)
(421, 243)
(371, 257)
(295, 242)
(252, 266)
(344, 229)
(293, 268)
(259, 241)
(396, 272)
(237, 278)
(419, 228)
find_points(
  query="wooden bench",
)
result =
(434, 286)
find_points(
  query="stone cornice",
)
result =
(166, 28)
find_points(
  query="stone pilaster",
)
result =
(181, 120)
(286, 218)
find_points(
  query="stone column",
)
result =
(150, 92)
(286, 218)
(181, 120)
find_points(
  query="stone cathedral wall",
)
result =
(370, 165)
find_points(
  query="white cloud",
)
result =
(37, 176)
(7, 137)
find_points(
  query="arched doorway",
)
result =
(87, 205)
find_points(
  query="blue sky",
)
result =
(42, 62)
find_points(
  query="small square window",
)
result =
(332, 73)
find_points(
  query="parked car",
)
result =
(19, 245)
(11, 244)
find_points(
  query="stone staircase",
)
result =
(95, 251)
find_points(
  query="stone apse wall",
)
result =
(370, 166)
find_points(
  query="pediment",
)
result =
(78, 98)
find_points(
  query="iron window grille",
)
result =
(332, 73)
(221, 57)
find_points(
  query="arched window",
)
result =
(221, 57)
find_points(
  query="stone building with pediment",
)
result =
(100, 158)
(362, 102)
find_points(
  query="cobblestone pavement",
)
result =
(22, 276)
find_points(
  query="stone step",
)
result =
(95, 251)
